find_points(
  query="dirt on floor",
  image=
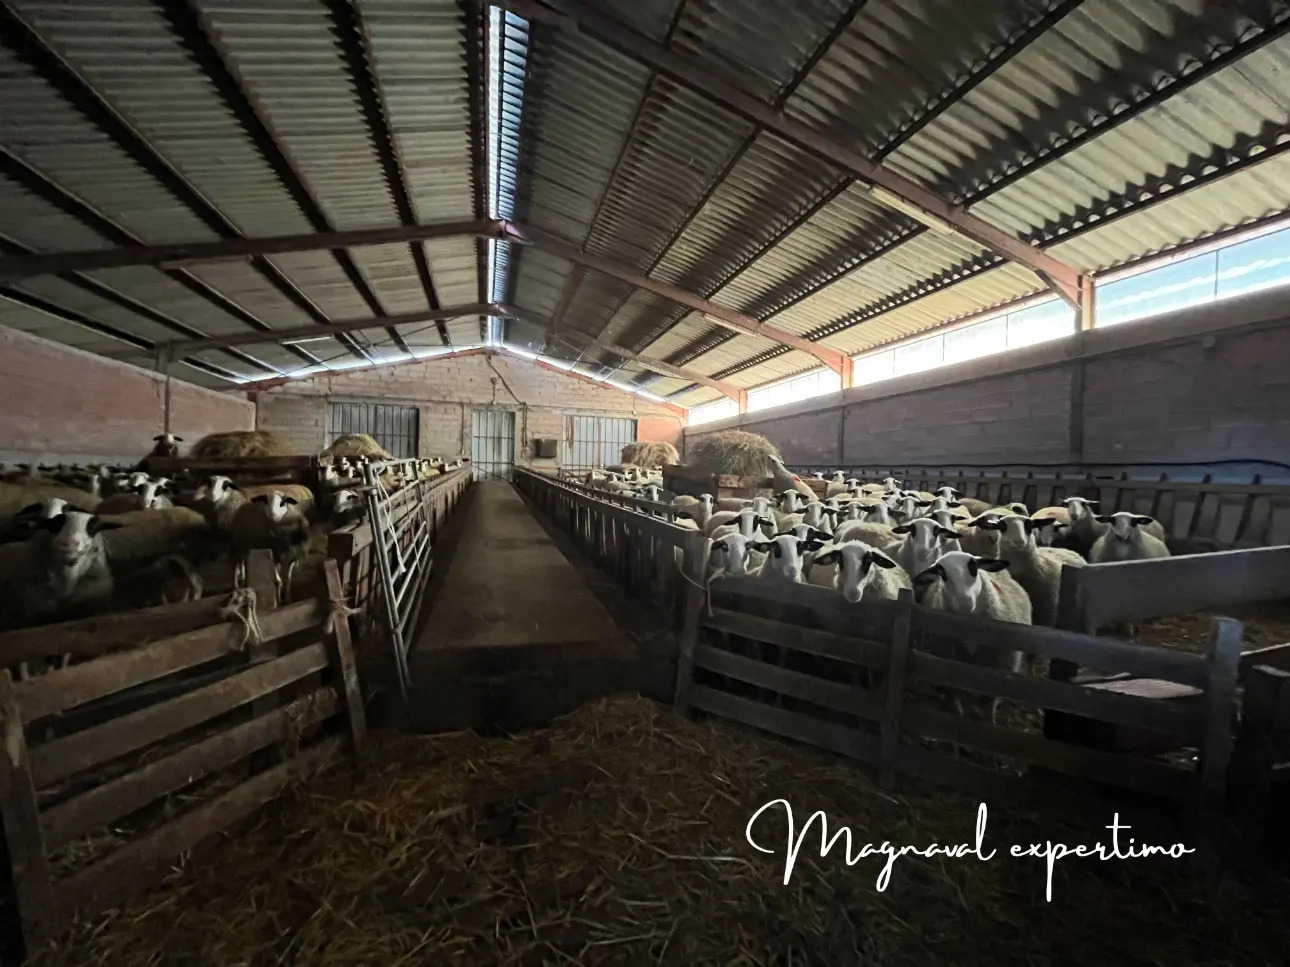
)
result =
(1265, 624)
(617, 836)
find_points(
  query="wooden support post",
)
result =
(33, 893)
(1226, 639)
(343, 658)
(260, 571)
(898, 663)
(692, 567)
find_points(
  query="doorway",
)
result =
(492, 444)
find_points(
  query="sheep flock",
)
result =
(78, 541)
(868, 540)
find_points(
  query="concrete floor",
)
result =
(508, 584)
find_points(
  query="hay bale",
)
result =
(357, 445)
(651, 455)
(733, 452)
(242, 443)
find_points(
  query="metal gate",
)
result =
(492, 444)
(597, 441)
(392, 426)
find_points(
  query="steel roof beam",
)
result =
(195, 32)
(730, 318)
(476, 31)
(896, 191)
(352, 325)
(238, 249)
(82, 96)
(736, 393)
(356, 46)
(40, 185)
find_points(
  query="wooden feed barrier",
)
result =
(803, 663)
(79, 758)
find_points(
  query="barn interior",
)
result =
(477, 477)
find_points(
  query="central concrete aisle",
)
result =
(508, 584)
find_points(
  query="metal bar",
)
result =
(352, 325)
(728, 317)
(193, 28)
(891, 188)
(47, 190)
(240, 248)
(356, 46)
(476, 32)
(380, 529)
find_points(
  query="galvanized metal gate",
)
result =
(492, 444)
(392, 426)
(597, 441)
(401, 531)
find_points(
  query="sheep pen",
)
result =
(617, 836)
(241, 443)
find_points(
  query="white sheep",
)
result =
(61, 572)
(698, 510)
(1036, 568)
(861, 572)
(1127, 538)
(734, 556)
(785, 557)
(747, 522)
(269, 521)
(877, 535)
(166, 445)
(979, 587)
(924, 542)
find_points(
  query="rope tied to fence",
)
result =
(340, 610)
(242, 606)
(705, 586)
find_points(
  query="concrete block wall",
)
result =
(447, 390)
(1194, 387)
(61, 404)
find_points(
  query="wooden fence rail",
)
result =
(59, 784)
(652, 558)
(870, 681)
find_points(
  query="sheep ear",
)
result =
(179, 439)
(811, 544)
(762, 545)
(902, 529)
(895, 513)
(289, 500)
(1144, 520)
(924, 503)
(232, 486)
(140, 488)
(945, 532)
(827, 560)
(158, 439)
(30, 509)
(985, 523)
(1041, 522)
(930, 576)
(882, 560)
(1103, 518)
(953, 503)
(990, 564)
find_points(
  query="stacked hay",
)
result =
(357, 445)
(734, 452)
(650, 455)
(616, 836)
(242, 443)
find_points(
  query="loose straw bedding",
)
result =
(616, 836)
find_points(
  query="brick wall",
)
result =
(446, 391)
(1207, 384)
(61, 404)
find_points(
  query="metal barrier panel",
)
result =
(492, 444)
(404, 516)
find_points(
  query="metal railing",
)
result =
(405, 512)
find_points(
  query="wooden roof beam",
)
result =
(889, 187)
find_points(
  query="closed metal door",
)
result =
(597, 441)
(392, 426)
(492, 444)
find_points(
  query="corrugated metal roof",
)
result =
(1102, 129)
